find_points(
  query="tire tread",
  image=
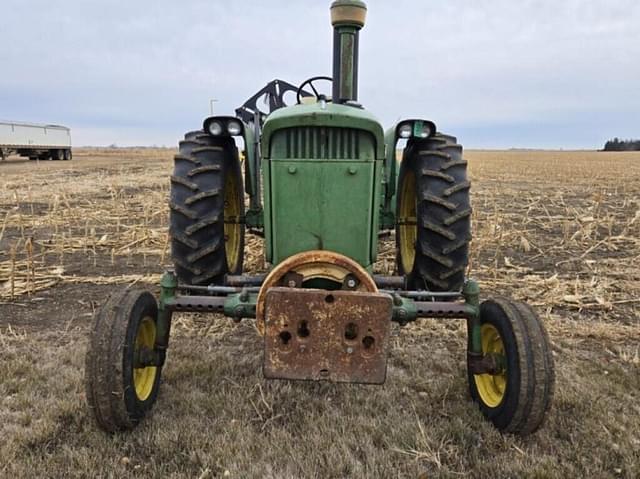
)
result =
(443, 214)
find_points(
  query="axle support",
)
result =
(241, 297)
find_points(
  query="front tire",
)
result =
(118, 393)
(433, 211)
(516, 399)
(207, 210)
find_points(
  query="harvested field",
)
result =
(558, 229)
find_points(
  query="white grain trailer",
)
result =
(36, 142)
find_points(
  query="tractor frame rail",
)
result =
(239, 297)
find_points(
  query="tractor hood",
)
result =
(322, 114)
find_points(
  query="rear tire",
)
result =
(207, 210)
(66, 155)
(118, 394)
(56, 155)
(517, 399)
(433, 211)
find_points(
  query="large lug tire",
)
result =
(517, 399)
(207, 210)
(119, 394)
(433, 210)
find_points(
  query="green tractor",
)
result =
(323, 185)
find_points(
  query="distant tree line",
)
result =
(622, 145)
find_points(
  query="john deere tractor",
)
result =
(322, 184)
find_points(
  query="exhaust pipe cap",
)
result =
(348, 12)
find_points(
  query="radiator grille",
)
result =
(326, 143)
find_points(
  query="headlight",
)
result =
(215, 128)
(405, 130)
(234, 128)
(426, 131)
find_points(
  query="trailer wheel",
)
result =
(516, 399)
(433, 227)
(66, 155)
(207, 210)
(56, 155)
(118, 393)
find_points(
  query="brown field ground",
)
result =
(558, 229)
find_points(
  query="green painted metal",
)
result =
(404, 310)
(168, 286)
(417, 128)
(347, 60)
(332, 115)
(254, 215)
(390, 141)
(390, 179)
(322, 173)
(323, 143)
(325, 205)
(387, 219)
(376, 205)
(241, 305)
(254, 218)
(251, 162)
(347, 18)
(268, 229)
(471, 294)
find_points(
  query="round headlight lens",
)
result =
(215, 128)
(234, 128)
(426, 131)
(405, 130)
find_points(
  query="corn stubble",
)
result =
(558, 229)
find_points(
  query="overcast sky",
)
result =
(496, 73)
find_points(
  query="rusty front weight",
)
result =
(314, 334)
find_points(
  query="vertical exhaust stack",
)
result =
(348, 18)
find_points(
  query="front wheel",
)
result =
(517, 397)
(119, 390)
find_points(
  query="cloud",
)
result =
(496, 73)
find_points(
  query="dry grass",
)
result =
(560, 229)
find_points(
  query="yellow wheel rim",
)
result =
(407, 221)
(144, 378)
(232, 226)
(491, 387)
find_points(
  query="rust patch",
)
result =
(340, 336)
(309, 265)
